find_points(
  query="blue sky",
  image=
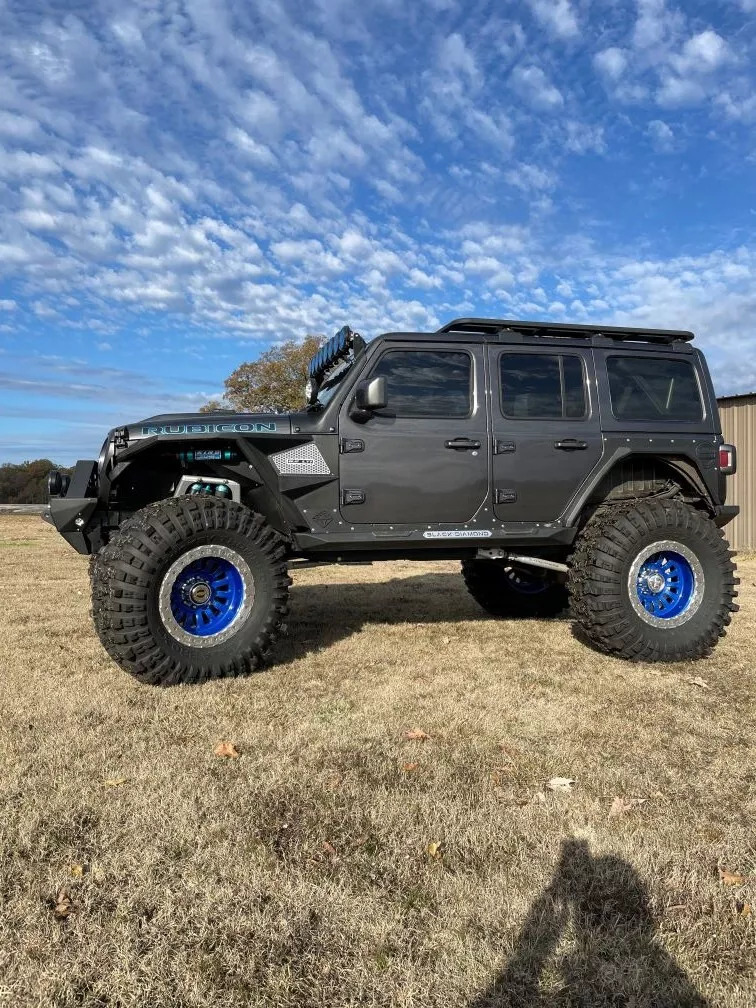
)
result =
(184, 183)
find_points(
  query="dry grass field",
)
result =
(336, 862)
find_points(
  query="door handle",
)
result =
(463, 444)
(571, 444)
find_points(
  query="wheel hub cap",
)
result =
(199, 594)
(654, 582)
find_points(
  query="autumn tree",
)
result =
(274, 383)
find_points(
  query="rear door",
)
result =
(422, 460)
(546, 429)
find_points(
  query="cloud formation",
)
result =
(244, 173)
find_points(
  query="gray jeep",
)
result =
(559, 463)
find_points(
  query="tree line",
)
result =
(26, 482)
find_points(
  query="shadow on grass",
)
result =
(323, 614)
(601, 904)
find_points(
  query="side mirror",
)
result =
(368, 397)
(371, 395)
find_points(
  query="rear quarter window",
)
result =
(653, 388)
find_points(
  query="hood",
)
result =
(210, 424)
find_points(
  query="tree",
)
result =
(26, 483)
(274, 383)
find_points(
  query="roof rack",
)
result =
(494, 326)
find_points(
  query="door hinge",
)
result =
(505, 496)
(352, 496)
(349, 445)
(504, 447)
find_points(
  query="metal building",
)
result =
(738, 415)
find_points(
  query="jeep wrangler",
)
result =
(561, 464)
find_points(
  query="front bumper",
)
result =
(71, 515)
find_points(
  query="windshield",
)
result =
(328, 389)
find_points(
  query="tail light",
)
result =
(728, 462)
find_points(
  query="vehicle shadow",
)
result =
(323, 614)
(590, 934)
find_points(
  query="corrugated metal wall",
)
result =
(739, 428)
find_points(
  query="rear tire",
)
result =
(190, 589)
(510, 592)
(653, 581)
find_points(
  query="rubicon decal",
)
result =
(210, 428)
(458, 534)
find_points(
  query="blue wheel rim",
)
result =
(525, 584)
(207, 595)
(666, 585)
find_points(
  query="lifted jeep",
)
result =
(559, 463)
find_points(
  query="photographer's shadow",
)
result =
(601, 906)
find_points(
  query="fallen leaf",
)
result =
(697, 681)
(97, 873)
(329, 849)
(227, 749)
(620, 806)
(416, 734)
(434, 850)
(76, 870)
(744, 909)
(63, 905)
(561, 784)
(409, 767)
(114, 781)
(731, 878)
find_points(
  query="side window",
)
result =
(537, 386)
(653, 388)
(427, 383)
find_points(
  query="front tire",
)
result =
(653, 581)
(190, 589)
(509, 592)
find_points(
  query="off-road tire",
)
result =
(127, 574)
(600, 593)
(491, 585)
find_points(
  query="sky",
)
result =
(184, 183)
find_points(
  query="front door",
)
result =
(546, 430)
(423, 459)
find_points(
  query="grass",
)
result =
(299, 874)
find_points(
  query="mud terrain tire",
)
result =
(653, 581)
(190, 589)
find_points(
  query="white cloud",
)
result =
(611, 62)
(556, 16)
(8, 304)
(662, 135)
(702, 53)
(530, 177)
(679, 91)
(418, 278)
(534, 87)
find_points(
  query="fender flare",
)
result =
(686, 470)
